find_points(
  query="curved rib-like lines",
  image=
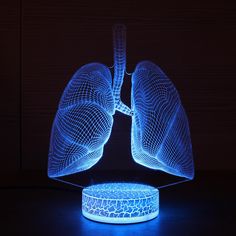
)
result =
(160, 137)
(83, 121)
(160, 133)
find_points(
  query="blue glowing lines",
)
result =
(83, 121)
(160, 137)
(119, 45)
(120, 203)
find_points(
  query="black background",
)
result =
(44, 42)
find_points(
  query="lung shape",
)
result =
(83, 121)
(160, 137)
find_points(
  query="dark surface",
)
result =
(10, 67)
(38, 206)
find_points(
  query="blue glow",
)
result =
(83, 121)
(119, 44)
(120, 203)
(160, 137)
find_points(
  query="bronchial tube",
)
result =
(119, 45)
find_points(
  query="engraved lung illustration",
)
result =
(83, 121)
(160, 137)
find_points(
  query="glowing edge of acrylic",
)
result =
(125, 220)
(120, 203)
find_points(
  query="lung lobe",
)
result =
(83, 122)
(160, 137)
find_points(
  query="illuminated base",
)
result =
(120, 203)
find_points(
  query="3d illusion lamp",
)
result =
(160, 137)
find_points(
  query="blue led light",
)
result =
(83, 121)
(119, 44)
(160, 137)
(120, 203)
